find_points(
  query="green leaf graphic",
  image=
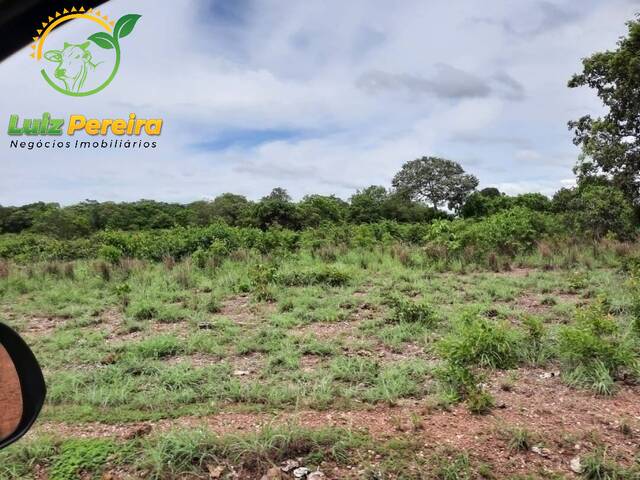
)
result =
(103, 40)
(124, 25)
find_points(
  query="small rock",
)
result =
(301, 472)
(546, 375)
(241, 373)
(543, 452)
(575, 465)
(215, 472)
(289, 465)
(317, 475)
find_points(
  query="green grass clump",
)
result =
(158, 347)
(594, 351)
(480, 342)
(597, 466)
(183, 452)
(329, 275)
(407, 311)
(78, 456)
(17, 462)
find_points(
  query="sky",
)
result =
(320, 96)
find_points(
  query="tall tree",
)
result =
(611, 143)
(435, 180)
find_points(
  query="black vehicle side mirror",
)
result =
(22, 388)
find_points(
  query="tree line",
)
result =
(606, 198)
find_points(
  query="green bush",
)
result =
(110, 254)
(594, 351)
(407, 311)
(326, 275)
(480, 342)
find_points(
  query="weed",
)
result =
(81, 456)
(480, 401)
(594, 351)
(519, 439)
(480, 342)
(408, 311)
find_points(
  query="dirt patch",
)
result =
(242, 311)
(324, 331)
(44, 325)
(198, 360)
(568, 423)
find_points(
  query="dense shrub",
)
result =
(595, 351)
(407, 311)
(480, 342)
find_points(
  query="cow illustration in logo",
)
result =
(74, 64)
(74, 69)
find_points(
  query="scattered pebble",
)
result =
(575, 465)
(317, 475)
(289, 465)
(301, 472)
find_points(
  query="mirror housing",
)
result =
(31, 381)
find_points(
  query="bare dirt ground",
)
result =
(565, 423)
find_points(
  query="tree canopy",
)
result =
(611, 143)
(435, 180)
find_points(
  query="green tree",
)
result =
(367, 205)
(61, 223)
(232, 208)
(611, 143)
(316, 209)
(598, 210)
(276, 209)
(435, 180)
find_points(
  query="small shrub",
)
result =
(408, 311)
(326, 275)
(480, 342)
(593, 350)
(480, 401)
(200, 258)
(519, 439)
(110, 253)
(596, 466)
(456, 381)
(144, 311)
(213, 305)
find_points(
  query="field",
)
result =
(375, 363)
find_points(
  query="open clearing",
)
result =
(370, 366)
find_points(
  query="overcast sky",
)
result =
(323, 96)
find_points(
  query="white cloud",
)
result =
(495, 73)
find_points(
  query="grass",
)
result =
(330, 330)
